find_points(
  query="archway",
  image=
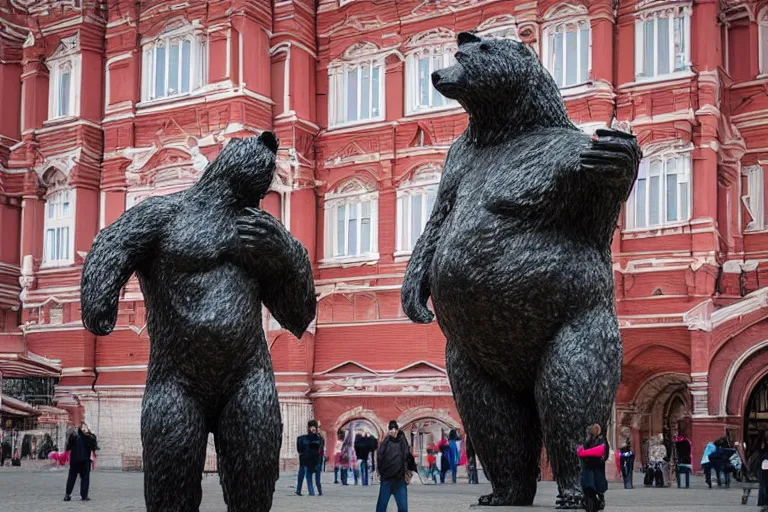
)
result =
(756, 415)
(422, 433)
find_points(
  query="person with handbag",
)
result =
(80, 444)
(396, 465)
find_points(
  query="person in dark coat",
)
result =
(762, 497)
(627, 460)
(395, 460)
(80, 445)
(309, 447)
(593, 455)
(720, 461)
(471, 462)
(362, 452)
(683, 460)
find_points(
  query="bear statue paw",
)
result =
(569, 501)
(611, 149)
(262, 234)
(101, 322)
(506, 499)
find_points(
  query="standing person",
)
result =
(362, 451)
(321, 464)
(395, 461)
(80, 444)
(593, 455)
(706, 464)
(337, 456)
(445, 458)
(454, 445)
(431, 463)
(762, 497)
(308, 447)
(683, 460)
(374, 448)
(627, 461)
(471, 462)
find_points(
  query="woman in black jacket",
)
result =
(80, 445)
(593, 455)
(395, 460)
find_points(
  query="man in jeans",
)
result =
(394, 460)
(309, 447)
(80, 445)
(362, 451)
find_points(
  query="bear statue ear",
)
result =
(268, 139)
(467, 37)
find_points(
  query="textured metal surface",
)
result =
(516, 257)
(206, 259)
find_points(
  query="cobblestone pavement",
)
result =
(42, 491)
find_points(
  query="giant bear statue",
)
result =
(206, 258)
(516, 257)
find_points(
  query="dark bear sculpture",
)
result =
(206, 258)
(516, 257)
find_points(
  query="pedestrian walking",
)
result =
(593, 455)
(627, 463)
(471, 462)
(683, 458)
(762, 498)
(362, 451)
(309, 447)
(396, 465)
(80, 445)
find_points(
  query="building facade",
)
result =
(107, 103)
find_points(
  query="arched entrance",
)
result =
(756, 414)
(423, 432)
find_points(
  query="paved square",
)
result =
(42, 491)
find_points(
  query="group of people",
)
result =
(447, 455)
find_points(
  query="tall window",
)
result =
(762, 26)
(172, 64)
(351, 229)
(64, 79)
(420, 64)
(58, 244)
(356, 87)
(499, 27)
(754, 200)
(415, 200)
(662, 193)
(567, 52)
(662, 42)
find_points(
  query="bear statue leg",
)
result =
(576, 386)
(249, 436)
(504, 429)
(174, 437)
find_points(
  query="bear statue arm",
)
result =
(614, 157)
(117, 251)
(415, 291)
(281, 265)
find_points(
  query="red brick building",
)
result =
(105, 103)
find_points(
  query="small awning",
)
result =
(13, 407)
(28, 364)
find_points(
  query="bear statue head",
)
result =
(502, 86)
(244, 169)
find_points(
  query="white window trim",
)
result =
(446, 52)
(762, 27)
(754, 199)
(498, 26)
(424, 178)
(553, 27)
(198, 60)
(671, 12)
(355, 197)
(51, 224)
(337, 76)
(687, 171)
(66, 56)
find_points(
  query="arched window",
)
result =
(662, 193)
(64, 82)
(173, 63)
(754, 199)
(500, 27)
(356, 86)
(427, 52)
(351, 222)
(762, 27)
(662, 41)
(415, 200)
(567, 44)
(59, 225)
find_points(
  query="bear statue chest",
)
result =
(520, 180)
(199, 239)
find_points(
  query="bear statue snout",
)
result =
(436, 78)
(270, 140)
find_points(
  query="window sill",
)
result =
(656, 230)
(56, 264)
(355, 123)
(576, 89)
(402, 256)
(368, 259)
(647, 80)
(431, 110)
(166, 99)
(59, 120)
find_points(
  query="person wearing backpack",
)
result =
(396, 465)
